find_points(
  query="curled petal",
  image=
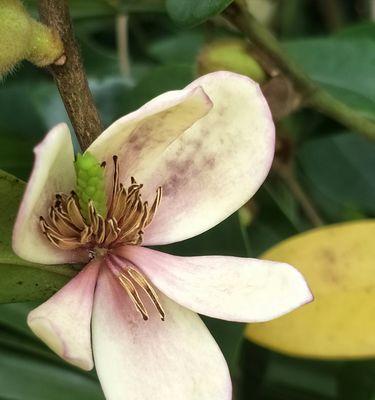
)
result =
(173, 359)
(141, 137)
(230, 288)
(53, 172)
(63, 321)
(207, 169)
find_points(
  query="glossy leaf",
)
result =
(193, 12)
(338, 264)
(323, 161)
(331, 61)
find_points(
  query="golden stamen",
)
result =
(127, 217)
(127, 284)
(142, 282)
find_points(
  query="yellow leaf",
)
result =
(338, 263)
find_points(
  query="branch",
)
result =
(313, 95)
(70, 77)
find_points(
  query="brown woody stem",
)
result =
(70, 77)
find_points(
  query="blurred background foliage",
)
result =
(323, 173)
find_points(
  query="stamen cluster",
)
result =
(68, 228)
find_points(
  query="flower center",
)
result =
(78, 221)
(67, 227)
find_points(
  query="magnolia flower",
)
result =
(198, 154)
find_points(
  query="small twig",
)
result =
(313, 95)
(123, 43)
(286, 173)
(70, 77)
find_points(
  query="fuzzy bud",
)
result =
(23, 38)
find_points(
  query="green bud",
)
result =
(45, 46)
(23, 38)
(230, 55)
(90, 184)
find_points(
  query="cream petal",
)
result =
(154, 360)
(207, 169)
(53, 172)
(63, 321)
(230, 288)
(141, 137)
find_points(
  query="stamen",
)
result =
(127, 284)
(68, 226)
(132, 274)
(139, 278)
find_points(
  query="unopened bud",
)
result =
(23, 38)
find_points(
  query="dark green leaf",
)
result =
(339, 173)
(266, 375)
(182, 47)
(345, 67)
(24, 376)
(193, 12)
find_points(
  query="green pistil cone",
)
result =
(90, 184)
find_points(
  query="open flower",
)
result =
(196, 155)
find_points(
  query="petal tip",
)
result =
(45, 330)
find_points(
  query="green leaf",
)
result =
(182, 47)
(344, 66)
(193, 12)
(339, 174)
(15, 155)
(29, 370)
(26, 377)
(365, 30)
(21, 280)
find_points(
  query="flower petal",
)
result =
(207, 169)
(53, 172)
(141, 137)
(63, 321)
(154, 360)
(230, 288)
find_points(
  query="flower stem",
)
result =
(313, 95)
(70, 77)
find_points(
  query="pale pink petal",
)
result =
(63, 321)
(140, 138)
(53, 172)
(207, 169)
(230, 288)
(154, 360)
